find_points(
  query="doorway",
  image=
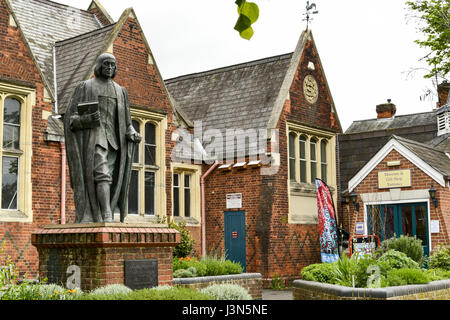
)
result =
(399, 219)
(235, 237)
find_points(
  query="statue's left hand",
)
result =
(134, 136)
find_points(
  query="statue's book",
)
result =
(88, 108)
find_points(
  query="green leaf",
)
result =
(248, 14)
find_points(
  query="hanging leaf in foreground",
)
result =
(248, 14)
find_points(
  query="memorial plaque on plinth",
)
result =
(141, 274)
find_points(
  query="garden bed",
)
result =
(310, 290)
(252, 282)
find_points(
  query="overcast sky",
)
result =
(367, 47)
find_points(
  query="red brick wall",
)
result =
(17, 66)
(318, 114)
(420, 181)
(101, 17)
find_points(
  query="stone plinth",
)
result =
(101, 250)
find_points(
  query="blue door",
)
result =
(403, 219)
(235, 237)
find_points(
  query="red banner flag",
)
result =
(327, 223)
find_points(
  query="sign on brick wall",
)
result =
(394, 179)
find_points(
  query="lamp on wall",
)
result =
(354, 199)
(432, 192)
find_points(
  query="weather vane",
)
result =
(309, 12)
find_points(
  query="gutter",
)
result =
(202, 184)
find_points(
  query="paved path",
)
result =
(277, 294)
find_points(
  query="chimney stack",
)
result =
(443, 90)
(386, 110)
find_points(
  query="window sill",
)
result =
(15, 216)
(134, 218)
(305, 189)
(190, 222)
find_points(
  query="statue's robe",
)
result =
(80, 146)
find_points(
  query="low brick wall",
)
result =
(309, 290)
(252, 282)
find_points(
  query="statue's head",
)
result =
(106, 66)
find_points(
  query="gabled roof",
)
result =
(435, 163)
(371, 135)
(43, 23)
(239, 96)
(246, 96)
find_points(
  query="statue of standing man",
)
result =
(100, 143)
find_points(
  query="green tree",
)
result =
(434, 19)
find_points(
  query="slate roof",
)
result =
(435, 158)
(371, 135)
(45, 22)
(402, 121)
(74, 60)
(237, 97)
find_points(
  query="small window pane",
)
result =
(187, 196)
(9, 183)
(133, 195)
(11, 125)
(176, 195)
(150, 193)
(323, 159)
(303, 159)
(12, 111)
(137, 149)
(150, 144)
(313, 158)
(292, 156)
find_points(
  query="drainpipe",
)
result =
(63, 183)
(202, 184)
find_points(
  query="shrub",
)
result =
(320, 272)
(398, 260)
(403, 277)
(176, 293)
(411, 246)
(227, 292)
(440, 259)
(111, 289)
(437, 274)
(233, 267)
(185, 247)
(345, 270)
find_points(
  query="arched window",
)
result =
(142, 194)
(150, 144)
(11, 153)
(292, 138)
(303, 160)
(313, 159)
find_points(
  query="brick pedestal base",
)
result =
(100, 252)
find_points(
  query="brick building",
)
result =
(272, 125)
(254, 201)
(399, 185)
(46, 50)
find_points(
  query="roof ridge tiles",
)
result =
(229, 68)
